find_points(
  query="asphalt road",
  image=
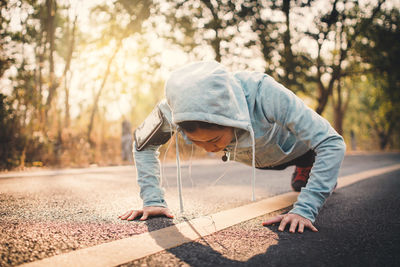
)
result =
(358, 226)
(49, 213)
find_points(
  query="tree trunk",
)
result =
(288, 58)
(216, 44)
(41, 51)
(338, 121)
(66, 70)
(383, 140)
(322, 99)
(384, 136)
(51, 14)
(67, 114)
(323, 92)
(97, 97)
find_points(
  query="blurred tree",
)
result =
(32, 30)
(379, 47)
(123, 19)
(12, 141)
(197, 23)
(6, 37)
(66, 52)
(297, 68)
(49, 27)
(346, 35)
(340, 25)
(273, 24)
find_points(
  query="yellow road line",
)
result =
(354, 178)
(139, 246)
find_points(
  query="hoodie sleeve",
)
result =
(283, 107)
(148, 167)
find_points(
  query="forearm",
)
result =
(323, 178)
(284, 108)
(148, 176)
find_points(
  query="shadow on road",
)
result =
(192, 253)
(355, 229)
(290, 250)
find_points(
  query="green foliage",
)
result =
(121, 18)
(381, 112)
(276, 39)
(379, 47)
(201, 23)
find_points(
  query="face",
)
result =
(213, 139)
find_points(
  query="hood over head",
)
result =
(206, 91)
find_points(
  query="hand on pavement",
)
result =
(145, 213)
(293, 220)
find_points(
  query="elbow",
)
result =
(341, 146)
(334, 144)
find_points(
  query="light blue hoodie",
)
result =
(273, 124)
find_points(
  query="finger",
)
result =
(273, 220)
(134, 214)
(145, 216)
(284, 221)
(312, 227)
(168, 214)
(301, 227)
(293, 226)
(126, 215)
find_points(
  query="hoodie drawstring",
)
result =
(178, 170)
(253, 163)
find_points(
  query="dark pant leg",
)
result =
(306, 160)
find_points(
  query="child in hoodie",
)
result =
(253, 116)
